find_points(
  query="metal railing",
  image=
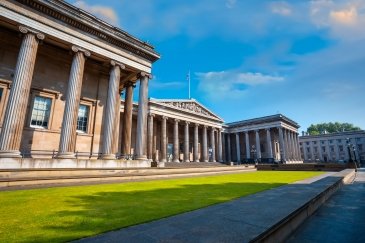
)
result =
(78, 154)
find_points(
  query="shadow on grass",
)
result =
(105, 211)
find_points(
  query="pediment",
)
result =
(190, 106)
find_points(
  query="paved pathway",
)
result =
(236, 221)
(340, 219)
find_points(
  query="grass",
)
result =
(66, 213)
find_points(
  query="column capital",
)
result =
(196, 124)
(129, 84)
(115, 63)
(257, 130)
(187, 122)
(80, 49)
(246, 132)
(144, 74)
(151, 114)
(164, 118)
(26, 30)
(176, 120)
(268, 129)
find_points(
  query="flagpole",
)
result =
(189, 83)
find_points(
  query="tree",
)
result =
(331, 127)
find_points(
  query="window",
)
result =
(322, 142)
(357, 139)
(339, 140)
(323, 149)
(308, 150)
(332, 148)
(315, 149)
(307, 143)
(331, 141)
(40, 112)
(359, 147)
(1, 93)
(300, 143)
(82, 118)
(314, 142)
(340, 148)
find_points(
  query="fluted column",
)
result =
(258, 147)
(109, 124)
(298, 147)
(163, 139)
(205, 145)
(247, 141)
(229, 158)
(176, 141)
(282, 145)
(224, 150)
(127, 120)
(220, 149)
(196, 143)
(16, 107)
(238, 148)
(268, 141)
(212, 144)
(142, 116)
(290, 145)
(68, 129)
(186, 142)
(150, 136)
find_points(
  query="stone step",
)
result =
(21, 178)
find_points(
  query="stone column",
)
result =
(212, 143)
(176, 141)
(337, 152)
(196, 142)
(186, 143)
(11, 132)
(304, 147)
(238, 148)
(247, 143)
(268, 141)
(294, 146)
(258, 147)
(163, 139)
(229, 147)
(286, 144)
(127, 120)
(224, 150)
(205, 145)
(298, 147)
(220, 152)
(142, 116)
(282, 145)
(110, 122)
(150, 137)
(68, 129)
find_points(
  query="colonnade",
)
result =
(287, 139)
(215, 141)
(16, 109)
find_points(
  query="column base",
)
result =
(108, 156)
(163, 161)
(187, 161)
(176, 161)
(213, 160)
(66, 155)
(10, 154)
(141, 157)
(196, 161)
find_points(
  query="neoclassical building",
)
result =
(333, 147)
(66, 100)
(265, 139)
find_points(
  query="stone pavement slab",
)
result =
(340, 219)
(240, 220)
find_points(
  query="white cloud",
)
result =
(281, 8)
(232, 84)
(345, 16)
(103, 12)
(345, 20)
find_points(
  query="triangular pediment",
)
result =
(190, 105)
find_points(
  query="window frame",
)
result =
(91, 116)
(48, 95)
(49, 115)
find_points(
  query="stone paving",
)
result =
(340, 219)
(240, 220)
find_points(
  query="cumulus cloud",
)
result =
(103, 12)
(232, 84)
(281, 8)
(346, 16)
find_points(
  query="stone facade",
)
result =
(266, 139)
(333, 147)
(62, 73)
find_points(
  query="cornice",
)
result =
(81, 20)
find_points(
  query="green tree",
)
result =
(331, 127)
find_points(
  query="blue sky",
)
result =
(249, 58)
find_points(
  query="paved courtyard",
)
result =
(341, 219)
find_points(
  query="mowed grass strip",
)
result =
(67, 213)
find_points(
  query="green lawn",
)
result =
(66, 213)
